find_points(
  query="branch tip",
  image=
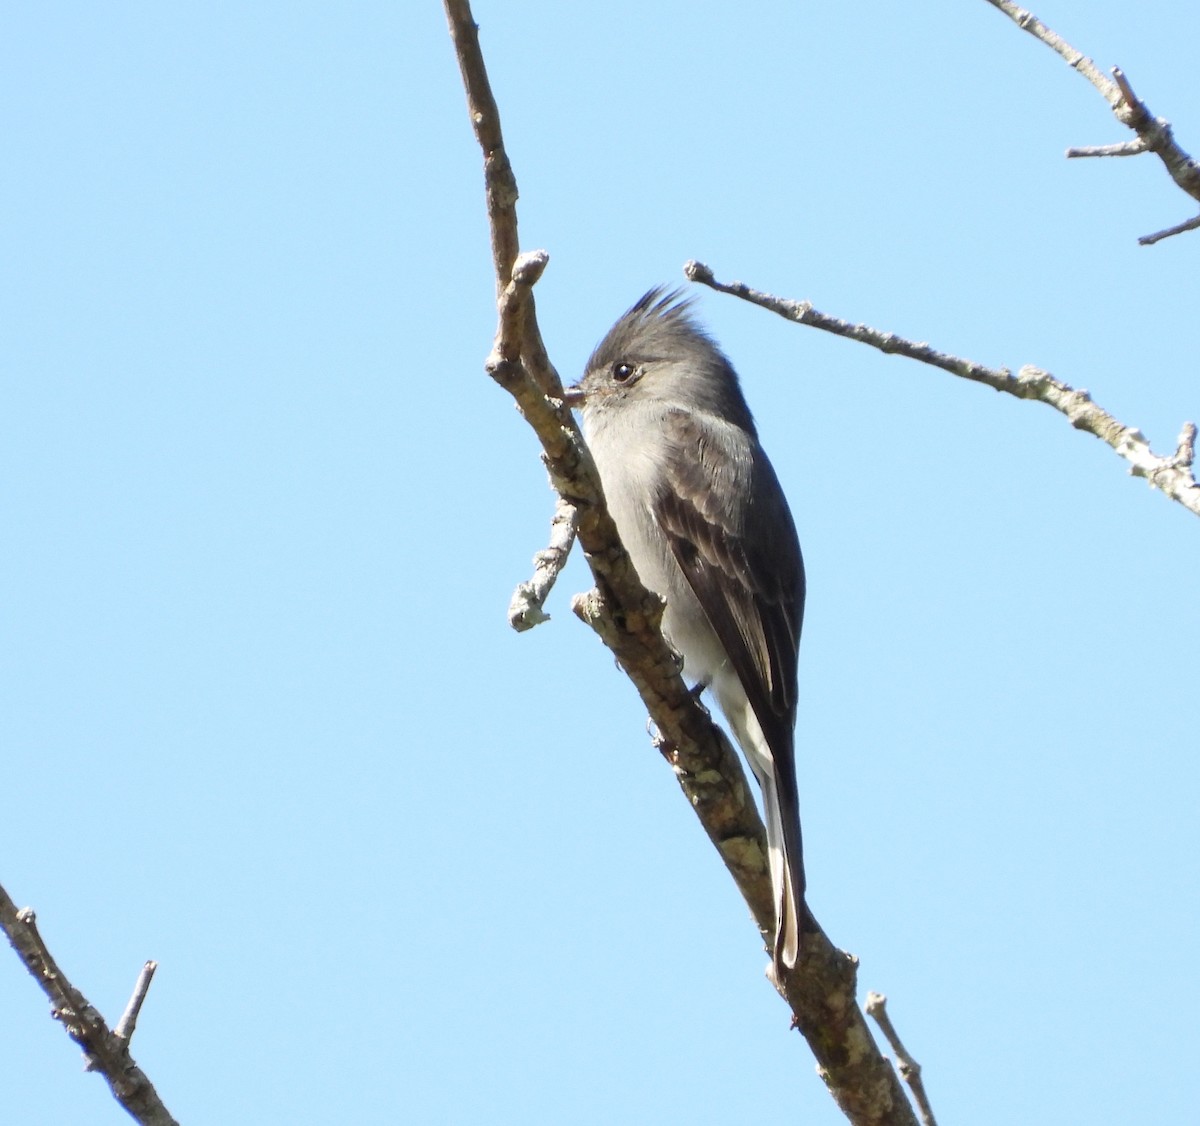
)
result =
(1131, 99)
(529, 267)
(128, 1022)
(910, 1070)
(1185, 453)
(1178, 229)
(1135, 147)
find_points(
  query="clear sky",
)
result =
(261, 715)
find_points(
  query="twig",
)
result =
(128, 1022)
(518, 361)
(1154, 133)
(518, 348)
(525, 610)
(499, 182)
(1178, 229)
(105, 1051)
(1077, 60)
(910, 1070)
(627, 618)
(1122, 148)
(1170, 475)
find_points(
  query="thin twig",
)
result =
(128, 1022)
(1178, 229)
(627, 618)
(910, 1070)
(1123, 148)
(499, 181)
(518, 361)
(1154, 133)
(104, 1051)
(526, 608)
(1168, 474)
(1077, 60)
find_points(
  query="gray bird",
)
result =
(704, 520)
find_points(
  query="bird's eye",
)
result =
(622, 372)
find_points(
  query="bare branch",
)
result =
(910, 1070)
(128, 1022)
(1178, 229)
(1077, 60)
(1171, 475)
(1154, 133)
(525, 610)
(105, 1051)
(1123, 148)
(627, 618)
(499, 182)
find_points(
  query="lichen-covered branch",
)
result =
(526, 608)
(1153, 133)
(1172, 475)
(105, 1051)
(821, 992)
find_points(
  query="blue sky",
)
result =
(261, 714)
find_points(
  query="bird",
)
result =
(707, 527)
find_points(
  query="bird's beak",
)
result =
(573, 396)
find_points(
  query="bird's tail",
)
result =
(774, 768)
(785, 859)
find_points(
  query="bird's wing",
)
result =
(745, 568)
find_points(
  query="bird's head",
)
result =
(657, 353)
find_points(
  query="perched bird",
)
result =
(704, 520)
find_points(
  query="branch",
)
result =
(500, 183)
(1122, 148)
(910, 1070)
(1153, 133)
(129, 1018)
(525, 610)
(627, 618)
(106, 1052)
(1171, 475)
(1187, 225)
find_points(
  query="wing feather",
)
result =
(745, 568)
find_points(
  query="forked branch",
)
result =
(104, 1051)
(1153, 133)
